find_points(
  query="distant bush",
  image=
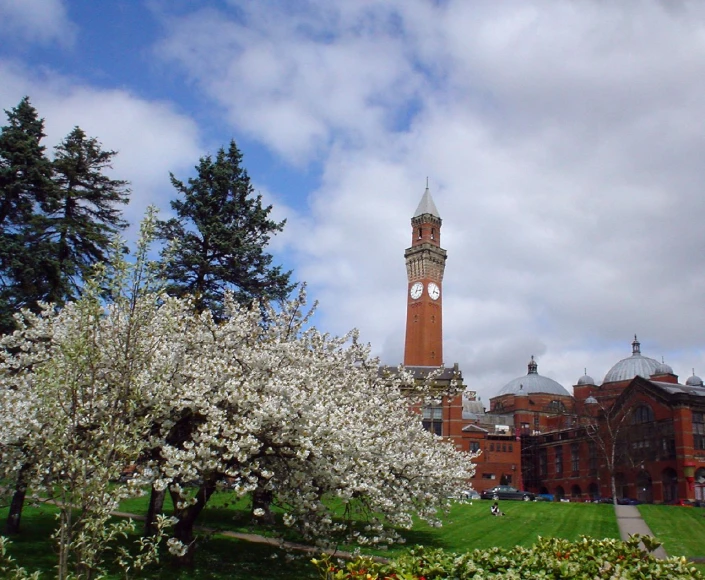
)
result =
(548, 559)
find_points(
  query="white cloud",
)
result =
(285, 81)
(563, 142)
(41, 21)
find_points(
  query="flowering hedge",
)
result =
(548, 559)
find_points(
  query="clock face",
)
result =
(433, 291)
(416, 290)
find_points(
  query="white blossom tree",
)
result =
(267, 404)
(77, 387)
(300, 417)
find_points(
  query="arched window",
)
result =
(669, 483)
(593, 491)
(642, 414)
(420, 233)
(555, 406)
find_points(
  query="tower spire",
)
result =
(426, 205)
(425, 264)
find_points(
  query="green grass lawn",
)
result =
(680, 529)
(472, 526)
(466, 527)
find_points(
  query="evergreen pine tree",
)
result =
(25, 190)
(219, 235)
(84, 216)
(57, 217)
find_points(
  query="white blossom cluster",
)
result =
(259, 401)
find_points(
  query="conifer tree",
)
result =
(25, 189)
(84, 215)
(219, 235)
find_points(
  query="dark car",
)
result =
(507, 492)
(628, 501)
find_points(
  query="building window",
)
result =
(488, 476)
(556, 407)
(433, 419)
(504, 447)
(525, 429)
(575, 457)
(420, 233)
(474, 446)
(642, 414)
(543, 462)
(491, 446)
(559, 460)
(537, 422)
(433, 233)
(592, 457)
(699, 430)
(511, 448)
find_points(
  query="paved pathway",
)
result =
(630, 522)
(256, 538)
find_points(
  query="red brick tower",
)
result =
(425, 263)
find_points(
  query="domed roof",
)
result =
(586, 379)
(533, 383)
(663, 369)
(635, 365)
(591, 400)
(694, 381)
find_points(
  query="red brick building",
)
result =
(638, 434)
(500, 457)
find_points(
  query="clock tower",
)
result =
(425, 264)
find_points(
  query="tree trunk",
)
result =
(156, 503)
(262, 499)
(183, 530)
(15, 514)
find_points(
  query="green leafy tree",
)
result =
(85, 214)
(25, 189)
(218, 237)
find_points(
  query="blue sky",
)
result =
(562, 143)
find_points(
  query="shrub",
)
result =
(548, 559)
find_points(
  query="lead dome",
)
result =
(663, 369)
(586, 379)
(694, 381)
(630, 367)
(533, 383)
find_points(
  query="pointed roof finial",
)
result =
(533, 367)
(426, 205)
(636, 346)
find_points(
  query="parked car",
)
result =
(507, 492)
(682, 502)
(470, 494)
(628, 501)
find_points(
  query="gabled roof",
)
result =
(472, 427)
(666, 393)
